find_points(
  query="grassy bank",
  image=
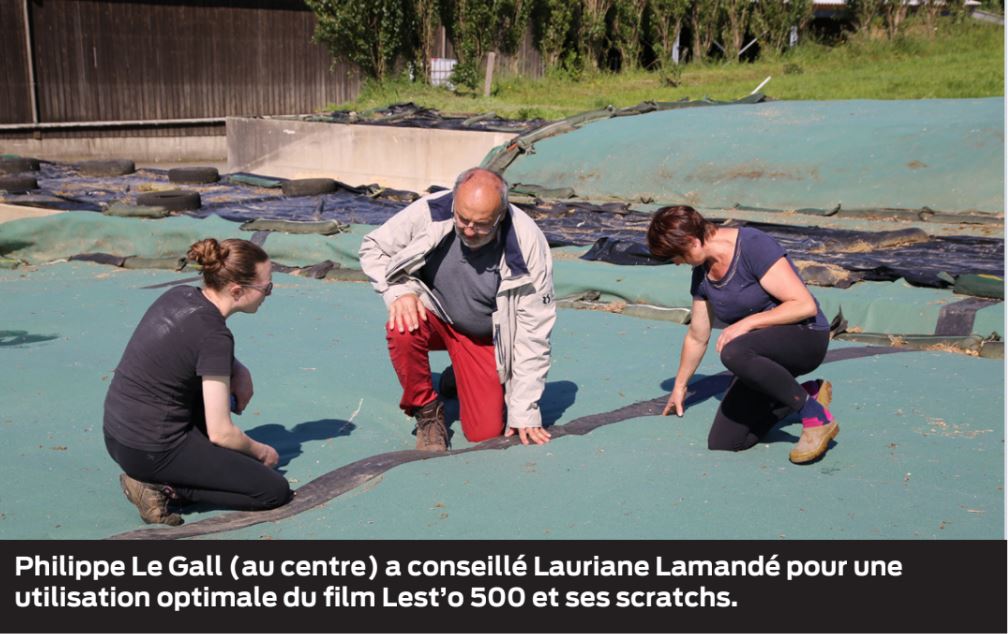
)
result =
(960, 60)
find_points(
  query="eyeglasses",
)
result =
(264, 289)
(481, 228)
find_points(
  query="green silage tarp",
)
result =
(920, 453)
(39, 240)
(945, 154)
(881, 307)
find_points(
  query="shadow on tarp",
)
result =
(288, 442)
(702, 387)
(11, 338)
(715, 385)
(556, 398)
(9, 246)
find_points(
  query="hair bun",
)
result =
(208, 254)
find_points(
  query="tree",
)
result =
(772, 21)
(628, 20)
(593, 29)
(512, 20)
(734, 26)
(477, 27)
(666, 26)
(368, 33)
(864, 13)
(894, 13)
(553, 24)
(931, 9)
(704, 18)
(424, 18)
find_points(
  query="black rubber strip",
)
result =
(348, 477)
(315, 271)
(184, 280)
(98, 258)
(957, 319)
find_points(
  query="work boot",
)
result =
(813, 442)
(150, 500)
(431, 432)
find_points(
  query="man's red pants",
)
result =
(480, 394)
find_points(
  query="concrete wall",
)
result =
(401, 158)
(17, 212)
(165, 149)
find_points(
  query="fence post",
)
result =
(30, 63)
(488, 80)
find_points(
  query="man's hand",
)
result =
(406, 312)
(537, 435)
(676, 401)
(241, 386)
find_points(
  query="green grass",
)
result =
(960, 60)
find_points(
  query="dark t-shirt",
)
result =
(156, 394)
(465, 281)
(739, 293)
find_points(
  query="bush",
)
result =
(369, 33)
(671, 75)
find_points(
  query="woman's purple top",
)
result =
(739, 293)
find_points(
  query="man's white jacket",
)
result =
(393, 254)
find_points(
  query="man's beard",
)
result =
(476, 243)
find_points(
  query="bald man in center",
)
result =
(467, 272)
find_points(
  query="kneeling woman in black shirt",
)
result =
(167, 412)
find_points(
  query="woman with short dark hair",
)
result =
(774, 331)
(168, 408)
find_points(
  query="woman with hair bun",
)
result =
(774, 331)
(168, 408)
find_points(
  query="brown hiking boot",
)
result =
(431, 432)
(150, 500)
(813, 442)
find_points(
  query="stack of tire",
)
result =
(17, 174)
(181, 199)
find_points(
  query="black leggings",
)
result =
(765, 363)
(200, 471)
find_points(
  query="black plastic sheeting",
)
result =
(617, 236)
(616, 232)
(342, 206)
(62, 186)
(919, 263)
(410, 115)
